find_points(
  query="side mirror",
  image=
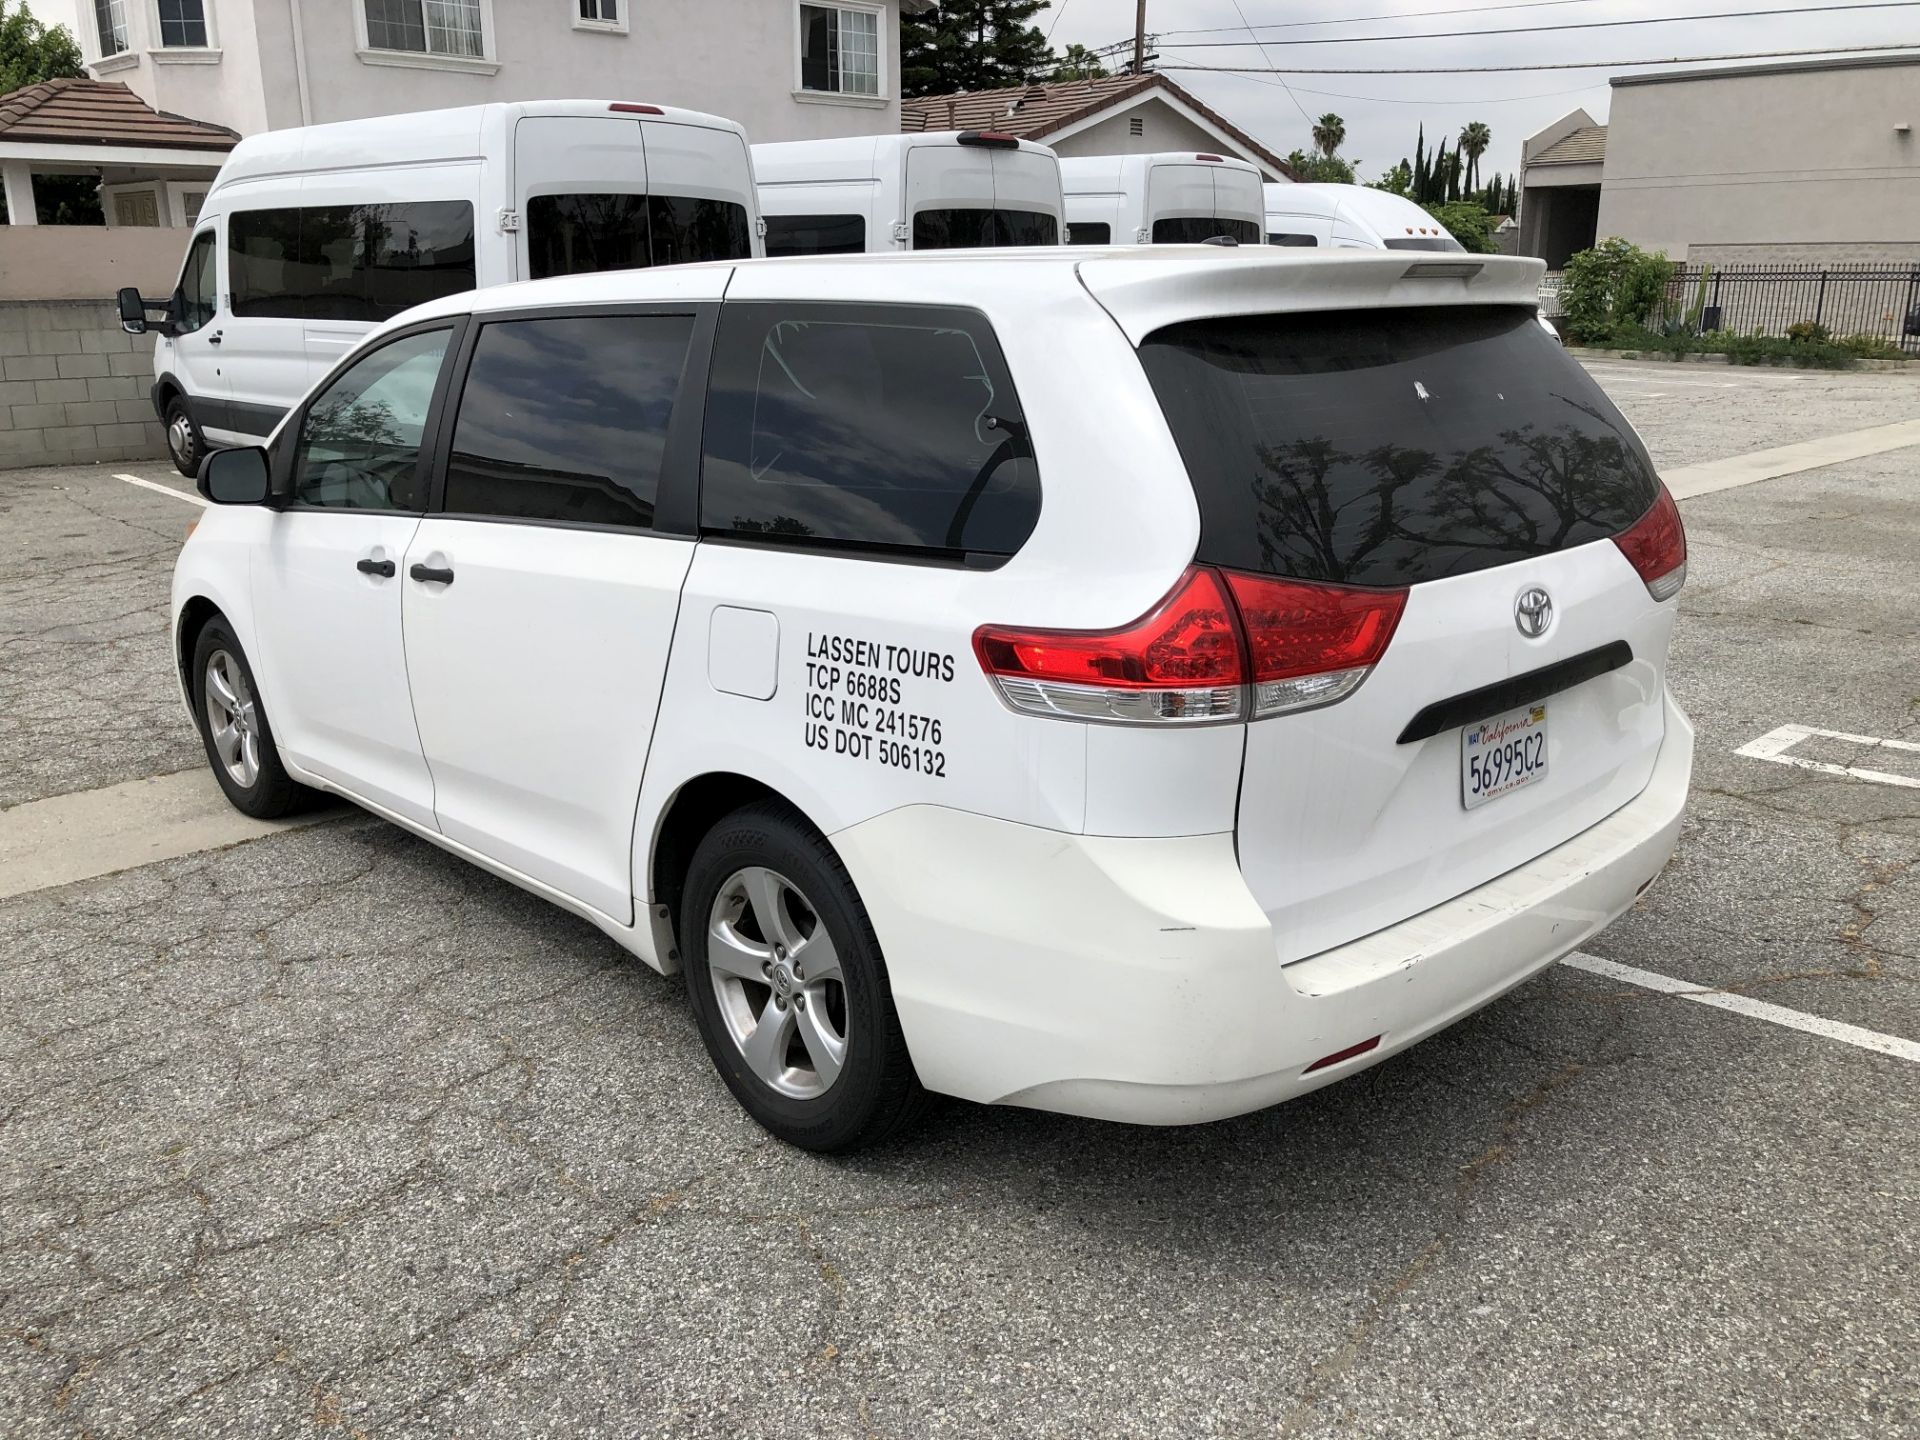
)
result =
(234, 477)
(133, 311)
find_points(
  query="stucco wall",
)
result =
(1805, 158)
(87, 262)
(73, 386)
(1165, 129)
(736, 58)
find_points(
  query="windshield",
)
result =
(1391, 447)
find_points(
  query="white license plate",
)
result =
(1500, 755)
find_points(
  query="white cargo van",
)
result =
(1166, 199)
(1351, 217)
(874, 194)
(309, 238)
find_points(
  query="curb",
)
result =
(1591, 352)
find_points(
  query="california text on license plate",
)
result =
(1502, 754)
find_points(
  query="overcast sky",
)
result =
(1383, 112)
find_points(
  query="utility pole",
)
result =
(1140, 37)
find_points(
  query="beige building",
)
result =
(1114, 115)
(1814, 162)
(785, 69)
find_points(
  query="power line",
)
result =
(1280, 78)
(1434, 101)
(1056, 19)
(1545, 29)
(1565, 65)
(1399, 15)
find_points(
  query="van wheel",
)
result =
(184, 446)
(234, 728)
(788, 986)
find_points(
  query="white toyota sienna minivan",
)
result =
(1145, 684)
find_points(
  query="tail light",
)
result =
(629, 107)
(1309, 644)
(1182, 661)
(1221, 646)
(1656, 546)
(992, 139)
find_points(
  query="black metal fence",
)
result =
(1878, 300)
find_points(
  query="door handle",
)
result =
(382, 568)
(214, 339)
(431, 574)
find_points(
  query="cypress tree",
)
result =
(1420, 163)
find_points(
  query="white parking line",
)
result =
(160, 489)
(1892, 1045)
(1774, 745)
(1691, 480)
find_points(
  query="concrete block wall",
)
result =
(73, 386)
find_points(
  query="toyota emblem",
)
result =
(1533, 612)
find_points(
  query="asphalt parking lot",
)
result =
(327, 1133)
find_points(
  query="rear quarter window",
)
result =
(870, 427)
(1392, 447)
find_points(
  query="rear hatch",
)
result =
(1189, 202)
(974, 193)
(1456, 456)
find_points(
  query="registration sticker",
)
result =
(1500, 755)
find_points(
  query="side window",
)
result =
(566, 419)
(889, 427)
(577, 234)
(359, 446)
(348, 262)
(1298, 242)
(816, 234)
(195, 300)
(1087, 232)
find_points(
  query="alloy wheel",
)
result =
(777, 978)
(233, 719)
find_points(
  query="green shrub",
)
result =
(1808, 332)
(1871, 347)
(1467, 223)
(1612, 289)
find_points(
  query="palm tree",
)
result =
(1329, 133)
(1474, 140)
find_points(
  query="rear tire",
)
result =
(235, 731)
(788, 986)
(185, 447)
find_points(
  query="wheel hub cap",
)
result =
(776, 977)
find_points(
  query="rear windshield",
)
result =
(1422, 242)
(1391, 447)
(969, 229)
(580, 234)
(1196, 229)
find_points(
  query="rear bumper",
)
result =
(1137, 979)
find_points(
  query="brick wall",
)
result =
(73, 386)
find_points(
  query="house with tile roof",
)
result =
(1112, 115)
(154, 167)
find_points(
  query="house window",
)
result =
(840, 50)
(111, 18)
(427, 27)
(600, 12)
(183, 23)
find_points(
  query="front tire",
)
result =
(185, 447)
(235, 731)
(788, 986)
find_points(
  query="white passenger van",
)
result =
(1164, 199)
(1155, 737)
(310, 237)
(1350, 217)
(873, 194)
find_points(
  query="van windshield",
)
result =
(981, 229)
(1392, 447)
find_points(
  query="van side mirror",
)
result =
(133, 311)
(234, 477)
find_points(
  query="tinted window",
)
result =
(348, 262)
(1423, 242)
(195, 301)
(869, 425)
(359, 446)
(969, 229)
(816, 234)
(1300, 242)
(1394, 446)
(1194, 229)
(1086, 232)
(566, 419)
(577, 234)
